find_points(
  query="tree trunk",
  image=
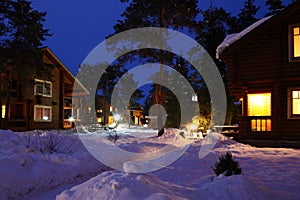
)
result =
(157, 93)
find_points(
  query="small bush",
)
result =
(113, 136)
(227, 166)
(48, 142)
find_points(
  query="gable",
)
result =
(239, 40)
(50, 58)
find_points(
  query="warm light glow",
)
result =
(242, 103)
(3, 111)
(136, 120)
(191, 127)
(296, 41)
(296, 103)
(110, 119)
(110, 109)
(71, 119)
(47, 113)
(45, 118)
(99, 120)
(261, 125)
(259, 104)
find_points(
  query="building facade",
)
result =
(41, 98)
(264, 73)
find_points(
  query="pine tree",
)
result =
(21, 35)
(274, 6)
(213, 28)
(227, 166)
(246, 17)
(123, 91)
(171, 14)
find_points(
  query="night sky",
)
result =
(78, 26)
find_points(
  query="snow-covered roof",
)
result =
(231, 39)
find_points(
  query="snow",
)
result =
(68, 171)
(37, 161)
(232, 38)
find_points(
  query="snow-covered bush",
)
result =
(48, 142)
(227, 166)
(113, 136)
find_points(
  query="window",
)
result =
(294, 42)
(294, 103)
(43, 88)
(42, 113)
(259, 104)
(99, 111)
(3, 111)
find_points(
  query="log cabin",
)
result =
(41, 98)
(264, 74)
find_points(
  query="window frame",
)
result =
(43, 107)
(43, 88)
(290, 114)
(292, 58)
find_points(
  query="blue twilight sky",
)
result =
(80, 25)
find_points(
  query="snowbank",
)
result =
(36, 161)
(49, 164)
(267, 174)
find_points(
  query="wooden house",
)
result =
(41, 98)
(264, 73)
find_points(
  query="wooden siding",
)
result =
(62, 83)
(260, 63)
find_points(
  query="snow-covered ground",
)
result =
(29, 168)
(37, 161)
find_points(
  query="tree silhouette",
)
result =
(246, 17)
(274, 6)
(171, 14)
(21, 35)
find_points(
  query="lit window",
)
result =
(261, 125)
(296, 102)
(294, 40)
(43, 88)
(3, 111)
(296, 37)
(99, 111)
(259, 104)
(42, 113)
(110, 119)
